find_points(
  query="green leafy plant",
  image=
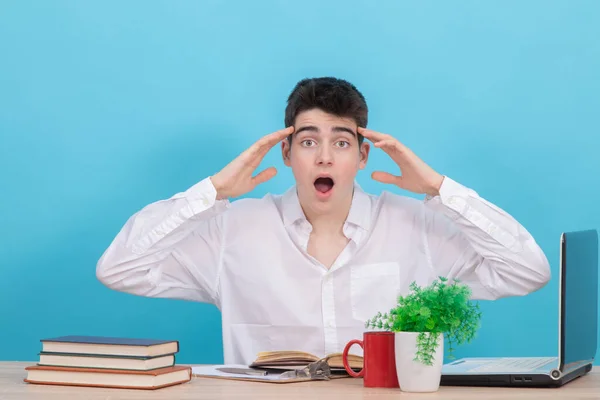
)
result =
(442, 308)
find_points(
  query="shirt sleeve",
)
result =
(474, 241)
(171, 248)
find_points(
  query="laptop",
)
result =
(577, 329)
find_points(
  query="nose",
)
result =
(324, 156)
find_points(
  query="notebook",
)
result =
(100, 345)
(105, 361)
(109, 378)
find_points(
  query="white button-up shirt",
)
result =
(249, 258)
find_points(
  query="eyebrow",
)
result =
(312, 128)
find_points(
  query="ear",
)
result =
(286, 152)
(364, 154)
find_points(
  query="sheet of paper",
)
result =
(211, 370)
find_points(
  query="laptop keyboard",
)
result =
(514, 364)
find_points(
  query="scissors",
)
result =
(318, 370)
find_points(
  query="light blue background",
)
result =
(107, 106)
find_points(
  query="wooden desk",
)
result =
(12, 387)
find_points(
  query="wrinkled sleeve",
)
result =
(171, 248)
(472, 240)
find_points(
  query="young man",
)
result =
(304, 270)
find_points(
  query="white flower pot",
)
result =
(414, 376)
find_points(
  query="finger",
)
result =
(387, 144)
(264, 176)
(260, 148)
(385, 177)
(377, 137)
(391, 145)
(267, 142)
(273, 138)
(373, 135)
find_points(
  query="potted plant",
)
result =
(421, 320)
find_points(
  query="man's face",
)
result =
(325, 158)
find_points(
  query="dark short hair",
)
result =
(331, 95)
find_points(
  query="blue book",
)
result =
(111, 346)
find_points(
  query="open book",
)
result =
(300, 359)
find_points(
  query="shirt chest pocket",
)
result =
(374, 288)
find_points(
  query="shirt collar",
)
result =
(359, 215)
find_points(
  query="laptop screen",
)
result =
(579, 297)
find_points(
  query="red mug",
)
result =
(379, 365)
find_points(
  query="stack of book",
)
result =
(108, 362)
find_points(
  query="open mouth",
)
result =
(324, 184)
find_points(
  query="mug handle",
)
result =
(345, 359)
